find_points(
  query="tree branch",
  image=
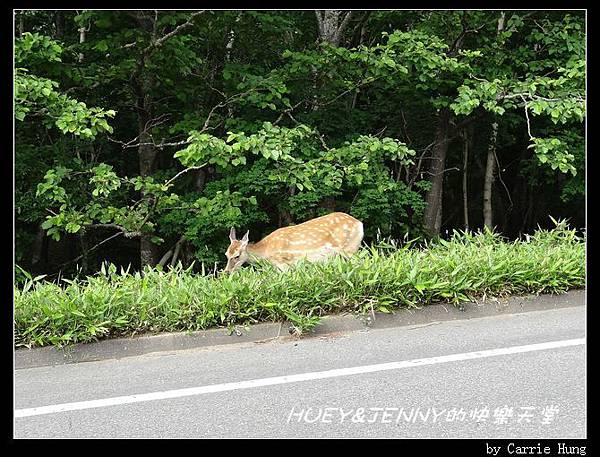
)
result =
(160, 145)
(458, 41)
(185, 171)
(344, 23)
(165, 258)
(289, 110)
(527, 118)
(158, 43)
(123, 230)
(91, 249)
(205, 127)
(177, 249)
(419, 164)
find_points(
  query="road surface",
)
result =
(505, 376)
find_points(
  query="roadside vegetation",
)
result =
(383, 277)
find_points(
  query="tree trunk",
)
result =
(329, 204)
(81, 41)
(21, 28)
(488, 180)
(285, 216)
(84, 249)
(433, 212)
(332, 24)
(147, 155)
(146, 151)
(231, 39)
(228, 49)
(59, 23)
(490, 169)
(200, 180)
(39, 250)
(467, 139)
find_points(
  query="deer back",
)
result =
(335, 233)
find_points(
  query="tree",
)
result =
(543, 75)
(259, 119)
(41, 109)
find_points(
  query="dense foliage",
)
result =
(383, 278)
(143, 136)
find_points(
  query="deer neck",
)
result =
(253, 251)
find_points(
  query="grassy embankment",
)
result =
(465, 267)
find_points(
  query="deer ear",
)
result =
(245, 238)
(232, 234)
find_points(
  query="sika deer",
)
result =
(314, 240)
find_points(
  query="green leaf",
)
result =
(47, 224)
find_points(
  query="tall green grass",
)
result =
(381, 278)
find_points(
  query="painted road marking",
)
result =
(188, 392)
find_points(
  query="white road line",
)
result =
(51, 409)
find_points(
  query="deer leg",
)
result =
(282, 266)
(345, 254)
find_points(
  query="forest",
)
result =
(142, 137)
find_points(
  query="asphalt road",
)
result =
(490, 377)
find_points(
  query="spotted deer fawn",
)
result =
(313, 240)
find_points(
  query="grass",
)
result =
(381, 278)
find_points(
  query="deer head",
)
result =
(236, 253)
